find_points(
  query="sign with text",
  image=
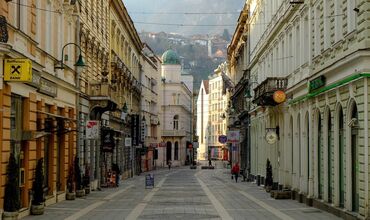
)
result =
(233, 136)
(18, 70)
(316, 83)
(107, 140)
(149, 181)
(92, 129)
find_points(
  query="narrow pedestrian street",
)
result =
(182, 193)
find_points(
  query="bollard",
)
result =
(258, 180)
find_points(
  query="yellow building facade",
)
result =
(38, 117)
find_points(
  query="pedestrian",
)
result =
(116, 169)
(169, 164)
(209, 162)
(235, 170)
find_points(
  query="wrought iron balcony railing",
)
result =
(263, 92)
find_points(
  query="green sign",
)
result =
(316, 83)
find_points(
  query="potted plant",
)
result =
(86, 180)
(80, 192)
(37, 207)
(12, 194)
(70, 195)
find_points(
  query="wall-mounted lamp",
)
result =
(80, 62)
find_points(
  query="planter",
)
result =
(87, 190)
(10, 215)
(70, 196)
(80, 193)
(37, 209)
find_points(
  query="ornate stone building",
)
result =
(314, 53)
(176, 110)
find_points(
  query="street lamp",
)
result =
(124, 111)
(80, 62)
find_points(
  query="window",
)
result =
(338, 20)
(351, 15)
(176, 122)
(176, 151)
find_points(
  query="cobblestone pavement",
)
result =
(182, 193)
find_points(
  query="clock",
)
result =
(271, 137)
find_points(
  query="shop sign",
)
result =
(222, 139)
(128, 142)
(316, 83)
(18, 70)
(279, 96)
(107, 140)
(233, 136)
(92, 129)
(48, 87)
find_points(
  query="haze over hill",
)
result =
(177, 12)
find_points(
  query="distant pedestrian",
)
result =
(116, 169)
(169, 164)
(210, 162)
(235, 170)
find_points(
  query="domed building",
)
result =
(176, 112)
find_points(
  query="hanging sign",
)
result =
(92, 129)
(107, 140)
(271, 136)
(279, 96)
(233, 136)
(18, 70)
(316, 83)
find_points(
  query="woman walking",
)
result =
(235, 171)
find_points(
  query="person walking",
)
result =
(209, 162)
(169, 164)
(235, 170)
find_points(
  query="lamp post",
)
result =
(79, 63)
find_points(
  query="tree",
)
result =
(78, 174)
(38, 184)
(12, 194)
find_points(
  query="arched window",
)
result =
(176, 122)
(176, 156)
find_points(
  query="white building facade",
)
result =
(176, 113)
(317, 53)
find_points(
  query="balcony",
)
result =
(263, 93)
(173, 133)
(104, 96)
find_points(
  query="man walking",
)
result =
(169, 164)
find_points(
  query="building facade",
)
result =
(314, 54)
(217, 116)
(240, 102)
(176, 110)
(38, 117)
(150, 78)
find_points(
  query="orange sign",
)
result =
(279, 96)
